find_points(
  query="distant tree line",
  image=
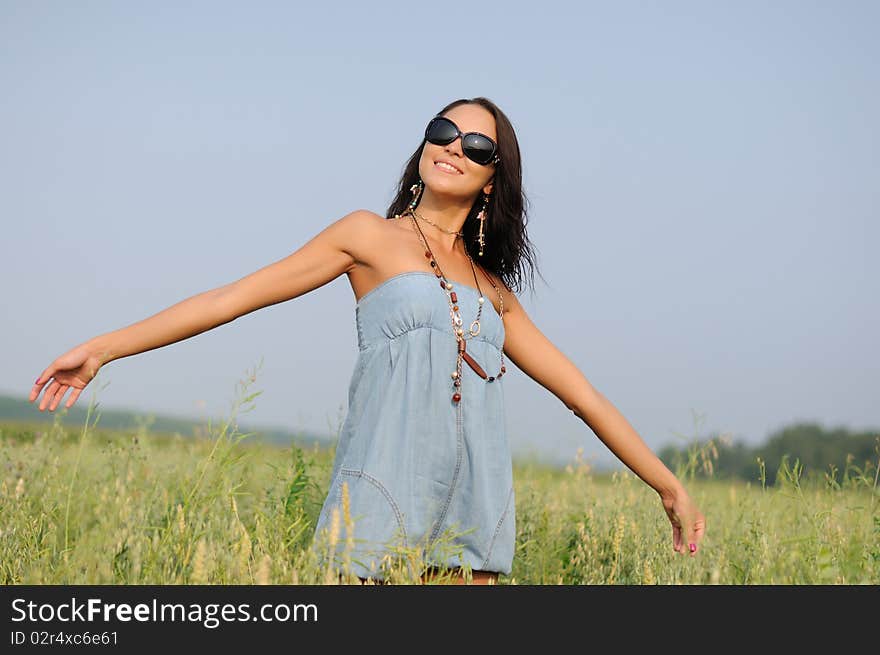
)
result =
(827, 455)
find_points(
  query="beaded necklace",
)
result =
(455, 314)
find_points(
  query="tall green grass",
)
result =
(97, 507)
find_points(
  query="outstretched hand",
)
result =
(688, 523)
(73, 370)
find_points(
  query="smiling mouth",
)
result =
(446, 168)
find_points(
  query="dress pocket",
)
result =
(376, 519)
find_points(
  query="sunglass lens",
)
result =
(478, 148)
(440, 132)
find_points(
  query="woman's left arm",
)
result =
(533, 353)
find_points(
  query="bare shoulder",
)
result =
(362, 221)
(369, 224)
(360, 229)
(368, 215)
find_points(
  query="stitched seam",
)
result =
(428, 327)
(498, 528)
(458, 455)
(385, 492)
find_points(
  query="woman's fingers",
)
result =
(73, 396)
(53, 395)
(59, 395)
(688, 524)
(45, 378)
(54, 391)
(38, 386)
(696, 532)
(49, 394)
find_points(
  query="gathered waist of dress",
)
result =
(367, 343)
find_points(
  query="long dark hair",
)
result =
(508, 253)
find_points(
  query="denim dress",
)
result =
(424, 474)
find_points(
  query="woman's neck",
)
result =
(450, 216)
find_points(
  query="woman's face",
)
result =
(471, 177)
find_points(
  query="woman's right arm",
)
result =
(328, 255)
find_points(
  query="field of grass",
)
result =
(96, 507)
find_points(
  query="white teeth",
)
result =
(447, 167)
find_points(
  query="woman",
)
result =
(422, 462)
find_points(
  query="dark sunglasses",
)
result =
(477, 147)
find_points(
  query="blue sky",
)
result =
(704, 181)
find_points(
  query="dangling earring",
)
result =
(482, 217)
(416, 189)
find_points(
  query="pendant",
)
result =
(462, 350)
(473, 364)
